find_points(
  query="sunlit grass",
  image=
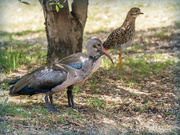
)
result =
(96, 102)
(142, 65)
(16, 16)
(106, 63)
(111, 14)
(16, 53)
(77, 89)
(12, 59)
(139, 65)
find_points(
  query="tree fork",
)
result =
(64, 29)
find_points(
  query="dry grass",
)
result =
(103, 15)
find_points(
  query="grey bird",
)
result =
(53, 78)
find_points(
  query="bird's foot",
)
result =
(73, 107)
(51, 111)
(56, 110)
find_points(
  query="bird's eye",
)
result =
(94, 46)
(99, 45)
(134, 10)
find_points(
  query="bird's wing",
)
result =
(43, 78)
(75, 61)
(116, 37)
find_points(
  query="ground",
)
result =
(141, 99)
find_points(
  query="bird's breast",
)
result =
(97, 65)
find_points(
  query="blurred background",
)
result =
(102, 14)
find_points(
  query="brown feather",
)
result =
(31, 81)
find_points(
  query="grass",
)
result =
(163, 35)
(6, 127)
(16, 53)
(135, 48)
(141, 66)
(77, 89)
(146, 64)
(32, 115)
(96, 102)
(11, 59)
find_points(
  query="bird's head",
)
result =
(95, 49)
(134, 12)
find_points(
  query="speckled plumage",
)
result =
(123, 36)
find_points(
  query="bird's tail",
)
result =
(27, 91)
(11, 93)
(14, 81)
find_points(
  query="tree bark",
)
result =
(64, 29)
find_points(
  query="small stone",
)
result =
(159, 116)
(151, 120)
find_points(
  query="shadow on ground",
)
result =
(144, 101)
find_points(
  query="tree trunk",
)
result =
(64, 29)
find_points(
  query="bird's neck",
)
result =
(129, 22)
(94, 58)
(89, 64)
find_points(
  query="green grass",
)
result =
(106, 63)
(144, 107)
(11, 59)
(39, 113)
(6, 127)
(163, 35)
(4, 103)
(17, 53)
(136, 67)
(96, 102)
(77, 89)
(135, 47)
(144, 65)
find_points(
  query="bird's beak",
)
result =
(140, 12)
(104, 52)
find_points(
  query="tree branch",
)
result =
(79, 10)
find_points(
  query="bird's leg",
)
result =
(52, 106)
(70, 98)
(68, 95)
(120, 60)
(46, 100)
